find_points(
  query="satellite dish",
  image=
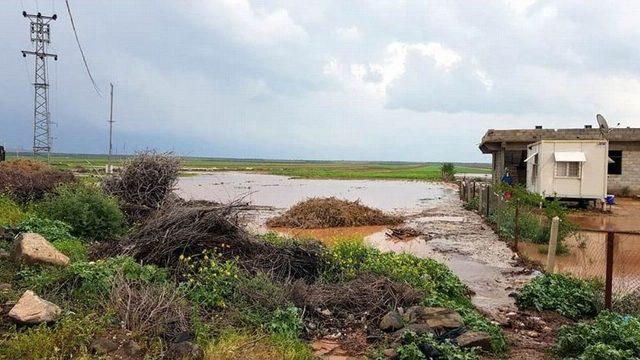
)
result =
(602, 123)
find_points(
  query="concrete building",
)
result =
(508, 149)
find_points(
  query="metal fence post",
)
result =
(608, 289)
(488, 200)
(516, 230)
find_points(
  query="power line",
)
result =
(84, 59)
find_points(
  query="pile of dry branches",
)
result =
(177, 230)
(29, 180)
(367, 296)
(144, 183)
(332, 212)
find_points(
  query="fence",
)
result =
(610, 255)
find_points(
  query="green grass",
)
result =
(292, 168)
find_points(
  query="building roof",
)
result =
(493, 137)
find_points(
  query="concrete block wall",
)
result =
(630, 176)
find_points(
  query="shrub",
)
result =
(448, 171)
(210, 280)
(144, 183)
(88, 280)
(149, 309)
(416, 347)
(610, 336)
(564, 294)
(69, 338)
(440, 285)
(287, 322)
(91, 214)
(10, 212)
(29, 180)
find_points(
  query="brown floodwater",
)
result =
(282, 192)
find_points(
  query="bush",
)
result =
(287, 322)
(564, 294)
(448, 171)
(149, 309)
(610, 336)
(210, 280)
(144, 183)
(29, 180)
(440, 285)
(90, 281)
(91, 214)
(10, 212)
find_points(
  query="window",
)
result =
(568, 169)
(615, 167)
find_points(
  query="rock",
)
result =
(437, 319)
(475, 339)
(326, 312)
(31, 309)
(419, 329)
(390, 353)
(186, 350)
(4, 255)
(32, 248)
(532, 334)
(5, 287)
(391, 321)
(103, 346)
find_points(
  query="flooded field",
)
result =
(281, 192)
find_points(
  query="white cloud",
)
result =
(348, 33)
(261, 27)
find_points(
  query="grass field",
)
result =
(292, 168)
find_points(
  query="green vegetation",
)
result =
(10, 212)
(209, 280)
(231, 345)
(91, 214)
(56, 232)
(611, 336)
(69, 338)
(564, 294)
(293, 168)
(441, 287)
(447, 171)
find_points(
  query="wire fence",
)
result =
(609, 255)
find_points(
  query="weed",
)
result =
(231, 345)
(447, 171)
(10, 212)
(610, 336)
(91, 214)
(52, 230)
(209, 280)
(564, 294)
(75, 249)
(68, 338)
(473, 204)
(287, 322)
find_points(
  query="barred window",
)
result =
(568, 169)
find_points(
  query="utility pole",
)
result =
(109, 166)
(40, 37)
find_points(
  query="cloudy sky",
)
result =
(353, 80)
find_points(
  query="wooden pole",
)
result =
(553, 245)
(488, 200)
(608, 288)
(516, 230)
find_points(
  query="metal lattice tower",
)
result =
(41, 37)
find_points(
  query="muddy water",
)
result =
(281, 192)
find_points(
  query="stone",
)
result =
(391, 321)
(186, 350)
(4, 255)
(475, 339)
(532, 334)
(418, 329)
(326, 312)
(33, 248)
(5, 287)
(31, 309)
(103, 346)
(436, 318)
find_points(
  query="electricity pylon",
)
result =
(41, 38)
